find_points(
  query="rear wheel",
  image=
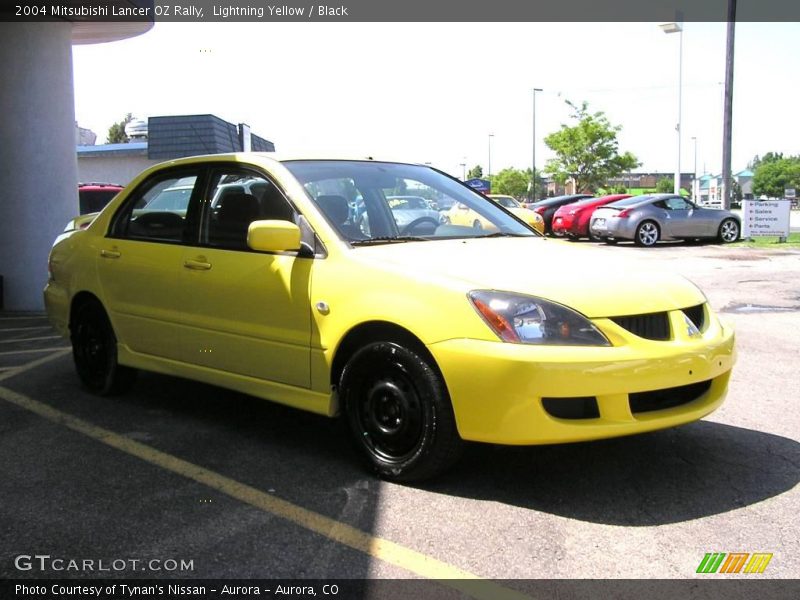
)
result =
(647, 234)
(399, 413)
(94, 350)
(728, 231)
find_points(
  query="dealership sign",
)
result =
(481, 185)
(765, 217)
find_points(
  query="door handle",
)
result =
(197, 265)
(110, 253)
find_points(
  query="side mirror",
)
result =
(273, 236)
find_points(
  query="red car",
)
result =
(572, 220)
(93, 197)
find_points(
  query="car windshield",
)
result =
(376, 202)
(407, 203)
(630, 201)
(507, 202)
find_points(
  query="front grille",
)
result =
(584, 407)
(668, 397)
(652, 326)
(697, 315)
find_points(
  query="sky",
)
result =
(434, 92)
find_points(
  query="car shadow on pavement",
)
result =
(658, 478)
(669, 476)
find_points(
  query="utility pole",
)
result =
(727, 123)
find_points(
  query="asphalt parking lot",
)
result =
(184, 472)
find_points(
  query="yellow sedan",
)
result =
(526, 215)
(420, 334)
(461, 214)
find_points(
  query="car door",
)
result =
(678, 217)
(139, 262)
(250, 313)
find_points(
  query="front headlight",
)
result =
(531, 320)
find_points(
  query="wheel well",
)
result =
(376, 331)
(79, 300)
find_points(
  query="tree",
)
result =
(475, 172)
(772, 177)
(537, 189)
(736, 193)
(588, 151)
(116, 133)
(512, 182)
(664, 185)
(769, 157)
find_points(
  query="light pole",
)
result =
(695, 187)
(533, 147)
(489, 167)
(463, 171)
(727, 118)
(677, 28)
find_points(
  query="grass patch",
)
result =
(793, 241)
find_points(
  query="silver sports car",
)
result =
(648, 219)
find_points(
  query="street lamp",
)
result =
(695, 187)
(489, 168)
(533, 153)
(677, 28)
(463, 171)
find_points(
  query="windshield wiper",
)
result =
(503, 234)
(389, 239)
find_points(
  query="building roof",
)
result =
(132, 148)
(170, 137)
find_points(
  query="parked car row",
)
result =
(645, 220)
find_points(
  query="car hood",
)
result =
(525, 214)
(579, 277)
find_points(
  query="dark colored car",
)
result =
(93, 197)
(548, 207)
(573, 219)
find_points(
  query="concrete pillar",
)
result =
(38, 164)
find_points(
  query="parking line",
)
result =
(20, 318)
(14, 371)
(2, 329)
(35, 350)
(376, 547)
(33, 339)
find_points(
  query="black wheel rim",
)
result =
(390, 416)
(91, 350)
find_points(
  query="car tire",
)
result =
(94, 350)
(398, 413)
(728, 231)
(647, 234)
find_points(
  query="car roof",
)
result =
(98, 186)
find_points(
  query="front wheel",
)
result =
(94, 350)
(728, 231)
(647, 234)
(398, 413)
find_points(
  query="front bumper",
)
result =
(504, 393)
